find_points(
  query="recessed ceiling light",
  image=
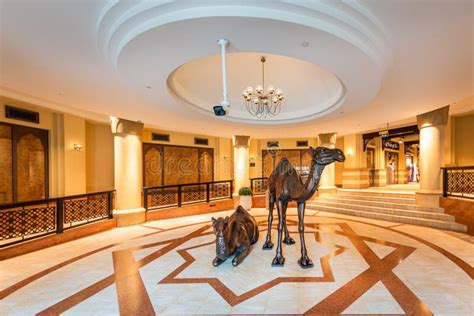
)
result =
(341, 112)
(60, 94)
(305, 44)
(148, 87)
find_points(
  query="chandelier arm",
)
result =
(251, 108)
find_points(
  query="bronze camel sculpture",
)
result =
(234, 235)
(285, 185)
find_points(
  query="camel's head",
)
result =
(325, 156)
(220, 226)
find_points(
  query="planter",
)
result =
(246, 201)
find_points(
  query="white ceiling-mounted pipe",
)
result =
(223, 43)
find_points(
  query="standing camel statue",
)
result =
(285, 185)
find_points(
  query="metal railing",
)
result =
(258, 185)
(184, 194)
(24, 221)
(458, 181)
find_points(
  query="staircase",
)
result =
(396, 207)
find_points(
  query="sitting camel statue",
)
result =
(285, 185)
(234, 235)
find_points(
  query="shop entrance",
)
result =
(391, 167)
(411, 161)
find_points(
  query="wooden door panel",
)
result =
(6, 165)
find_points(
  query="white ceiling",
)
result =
(95, 58)
(315, 93)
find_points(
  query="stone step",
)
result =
(384, 199)
(393, 218)
(386, 204)
(396, 194)
(385, 210)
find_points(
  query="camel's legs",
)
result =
(279, 260)
(304, 261)
(268, 240)
(242, 252)
(287, 240)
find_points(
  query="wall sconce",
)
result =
(78, 147)
(349, 152)
(225, 157)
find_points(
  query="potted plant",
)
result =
(245, 194)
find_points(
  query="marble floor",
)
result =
(361, 266)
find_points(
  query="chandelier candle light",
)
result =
(263, 104)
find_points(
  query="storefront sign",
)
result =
(388, 144)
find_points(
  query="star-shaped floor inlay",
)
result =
(237, 284)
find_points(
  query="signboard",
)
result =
(388, 144)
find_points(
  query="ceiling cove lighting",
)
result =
(261, 103)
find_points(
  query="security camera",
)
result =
(219, 110)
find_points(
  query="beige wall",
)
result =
(463, 130)
(181, 139)
(99, 157)
(46, 117)
(74, 160)
(224, 169)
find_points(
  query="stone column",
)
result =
(327, 183)
(241, 163)
(380, 173)
(128, 171)
(402, 165)
(355, 174)
(432, 133)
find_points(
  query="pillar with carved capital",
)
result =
(380, 172)
(128, 171)
(327, 183)
(432, 127)
(241, 162)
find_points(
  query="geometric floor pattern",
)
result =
(361, 266)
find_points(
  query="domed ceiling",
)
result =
(309, 90)
(343, 66)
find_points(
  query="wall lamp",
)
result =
(78, 147)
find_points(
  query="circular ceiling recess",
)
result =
(310, 90)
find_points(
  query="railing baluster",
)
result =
(445, 182)
(179, 195)
(208, 192)
(145, 199)
(110, 204)
(59, 215)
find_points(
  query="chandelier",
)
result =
(261, 103)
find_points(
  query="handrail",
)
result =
(22, 221)
(49, 200)
(458, 168)
(185, 184)
(165, 196)
(458, 181)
